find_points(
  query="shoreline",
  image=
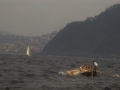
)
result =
(13, 53)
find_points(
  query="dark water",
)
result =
(42, 73)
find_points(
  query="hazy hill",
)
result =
(5, 32)
(10, 43)
(97, 36)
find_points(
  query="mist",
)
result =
(38, 17)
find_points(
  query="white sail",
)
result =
(28, 51)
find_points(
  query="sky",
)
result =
(38, 17)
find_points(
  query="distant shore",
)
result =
(13, 53)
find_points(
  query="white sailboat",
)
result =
(28, 51)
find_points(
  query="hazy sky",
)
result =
(38, 17)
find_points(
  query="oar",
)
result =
(109, 75)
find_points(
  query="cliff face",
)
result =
(97, 36)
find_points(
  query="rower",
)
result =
(95, 66)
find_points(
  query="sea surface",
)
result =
(48, 73)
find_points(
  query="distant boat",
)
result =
(28, 51)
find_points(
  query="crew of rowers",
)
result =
(86, 66)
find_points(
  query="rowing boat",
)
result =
(85, 70)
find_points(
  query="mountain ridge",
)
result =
(97, 36)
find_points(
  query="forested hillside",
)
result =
(96, 36)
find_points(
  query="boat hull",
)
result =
(90, 74)
(82, 71)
